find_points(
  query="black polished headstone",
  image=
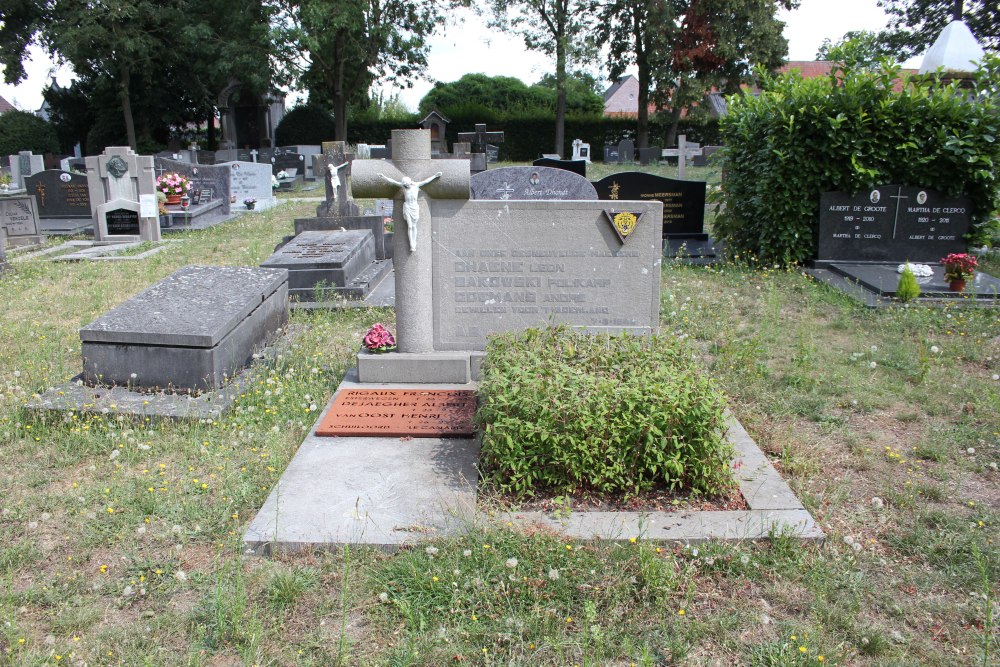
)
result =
(122, 222)
(284, 160)
(611, 153)
(576, 166)
(683, 201)
(892, 223)
(60, 194)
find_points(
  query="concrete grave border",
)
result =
(340, 491)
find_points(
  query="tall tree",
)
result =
(345, 45)
(915, 24)
(682, 48)
(184, 47)
(556, 28)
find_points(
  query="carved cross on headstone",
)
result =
(481, 137)
(254, 154)
(414, 276)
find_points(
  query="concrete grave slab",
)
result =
(322, 264)
(192, 330)
(391, 492)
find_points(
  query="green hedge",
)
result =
(23, 131)
(564, 413)
(526, 137)
(304, 125)
(801, 138)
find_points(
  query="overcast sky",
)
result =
(469, 47)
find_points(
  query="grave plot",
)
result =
(330, 265)
(865, 238)
(465, 269)
(190, 334)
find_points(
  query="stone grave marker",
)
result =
(119, 180)
(191, 331)
(394, 413)
(24, 164)
(488, 266)
(492, 154)
(19, 217)
(611, 154)
(581, 150)
(60, 194)
(339, 210)
(683, 201)
(648, 156)
(289, 161)
(530, 183)
(575, 166)
(75, 164)
(323, 265)
(250, 179)
(626, 151)
(892, 223)
(480, 139)
(684, 150)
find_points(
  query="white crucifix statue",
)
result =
(414, 180)
(411, 205)
(334, 170)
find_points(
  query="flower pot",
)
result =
(957, 285)
(249, 206)
(174, 199)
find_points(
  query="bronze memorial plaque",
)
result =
(394, 413)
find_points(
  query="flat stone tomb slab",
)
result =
(391, 413)
(882, 279)
(192, 330)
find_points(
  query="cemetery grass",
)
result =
(120, 541)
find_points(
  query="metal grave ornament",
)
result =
(116, 166)
(623, 222)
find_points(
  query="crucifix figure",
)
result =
(411, 207)
(410, 169)
(334, 170)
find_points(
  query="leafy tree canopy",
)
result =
(507, 95)
(915, 24)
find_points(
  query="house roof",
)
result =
(430, 117)
(615, 86)
(6, 106)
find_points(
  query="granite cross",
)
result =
(683, 151)
(480, 138)
(411, 151)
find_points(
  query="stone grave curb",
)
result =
(121, 401)
(869, 299)
(774, 508)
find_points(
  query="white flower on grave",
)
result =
(511, 562)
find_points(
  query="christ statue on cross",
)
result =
(334, 171)
(411, 207)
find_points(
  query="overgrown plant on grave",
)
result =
(562, 412)
(852, 131)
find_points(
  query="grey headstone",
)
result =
(520, 264)
(530, 183)
(626, 151)
(19, 216)
(249, 179)
(650, 155)
(60, 194)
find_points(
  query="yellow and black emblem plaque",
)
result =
(623, 222)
